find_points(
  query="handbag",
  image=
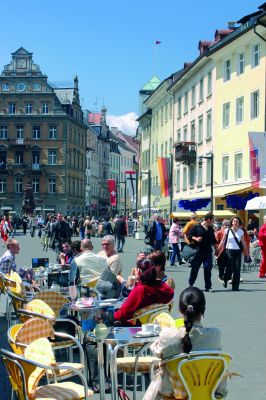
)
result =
(240, 245)
(188, 252)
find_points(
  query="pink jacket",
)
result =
(174, 234)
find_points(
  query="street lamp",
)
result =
(210, 157)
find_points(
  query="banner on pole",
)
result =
(164, 175)
(111, 183)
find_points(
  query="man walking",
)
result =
(203, 236)
(120, 232)
(156, 232)
(61, 232)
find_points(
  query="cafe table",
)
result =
(116, 338)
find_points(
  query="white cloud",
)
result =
(125, 123)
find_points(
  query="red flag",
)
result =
(112, 191)
(158, 42)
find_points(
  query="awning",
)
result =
(6, 208)
(200, 214)
(257, 203)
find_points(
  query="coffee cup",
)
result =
(148, 328)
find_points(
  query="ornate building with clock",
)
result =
(42, 138)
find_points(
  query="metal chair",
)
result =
(25, 374)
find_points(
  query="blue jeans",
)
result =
(175, 253)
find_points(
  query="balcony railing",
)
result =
(20, 141)
(185, 152)
(35, 167)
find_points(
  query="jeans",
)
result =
(120, 242)
(82, 233)
(158, 244)
(175, 253)
(233, 267)
(205, 257)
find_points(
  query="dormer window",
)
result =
(36, 87)
(5, 87)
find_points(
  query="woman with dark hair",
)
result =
(174, 236)
(158, 259)
(192, 337)
(234, 243)
(148, 291)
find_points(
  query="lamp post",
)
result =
(149, 189)
(210, 157)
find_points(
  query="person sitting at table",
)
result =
(150, 290)
(67, 255)
(158, 259)
(110, 255)
(173, 341)
(86, 265)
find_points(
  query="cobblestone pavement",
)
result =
(240, 316)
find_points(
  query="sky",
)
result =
(110, 44)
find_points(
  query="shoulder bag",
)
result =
(240, 245)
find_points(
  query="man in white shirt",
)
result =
(110, 255)
(86, 265)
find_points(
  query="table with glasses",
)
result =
(116, 338)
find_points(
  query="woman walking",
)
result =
(5, 229)
(234, 243)
(174, 237)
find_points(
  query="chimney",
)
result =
(231, 25)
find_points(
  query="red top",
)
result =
(262, 235)
(143, 295)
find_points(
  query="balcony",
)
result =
(19, 142)
(35, 167)
(185, 152)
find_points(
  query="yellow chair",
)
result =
(202, 375)
(26, 372)
(171, 364)
(21, 335)
(54, 299)
(147, 314)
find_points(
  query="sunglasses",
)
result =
(106, 244)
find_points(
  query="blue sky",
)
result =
(110, 44)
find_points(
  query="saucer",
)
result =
(146, 334)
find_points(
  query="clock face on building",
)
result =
(21, 87)
(21, 63)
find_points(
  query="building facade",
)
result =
(42, 138)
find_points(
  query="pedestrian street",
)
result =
(240, 316)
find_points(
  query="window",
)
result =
(239, 110)
(185, 133)
(5, 87)
(225, 168)
(209, 83)
(166, 149)
(28, 108)
(238, 166)
(240, 63)
(193, 131)
(170, 145)
(209, 125)
(3, 132)
(156, 151)
(191, 176)
(53, 132)
(178, 135)
(45, 108)
(19, 157)
(20, 131)
(52, 157)
(166, 112)
(254, 111)
(200, 129)
(227, 70)
(186, 103)
(36, 185)
(208, 171)
(200, 173)
(19, 185)
(179, 107)
(2, 185)
(184, 178)
(161, 116)
(12, 108)
(255, 55)
(51, 185)
(226, 115)
(170, 108)
(36, 87)
(193, 96)
(35, 157)
(178, 180)
(152, 153)
(201, 90)
(36, 132)
(162, 150)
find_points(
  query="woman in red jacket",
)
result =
(148, 291)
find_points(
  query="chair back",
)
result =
(147, 314)
(172, 366)
(164, 320)
(15, 373)
(17, 299)
(25, 334)
(55, 300)
(39, 307)
(201, 376)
